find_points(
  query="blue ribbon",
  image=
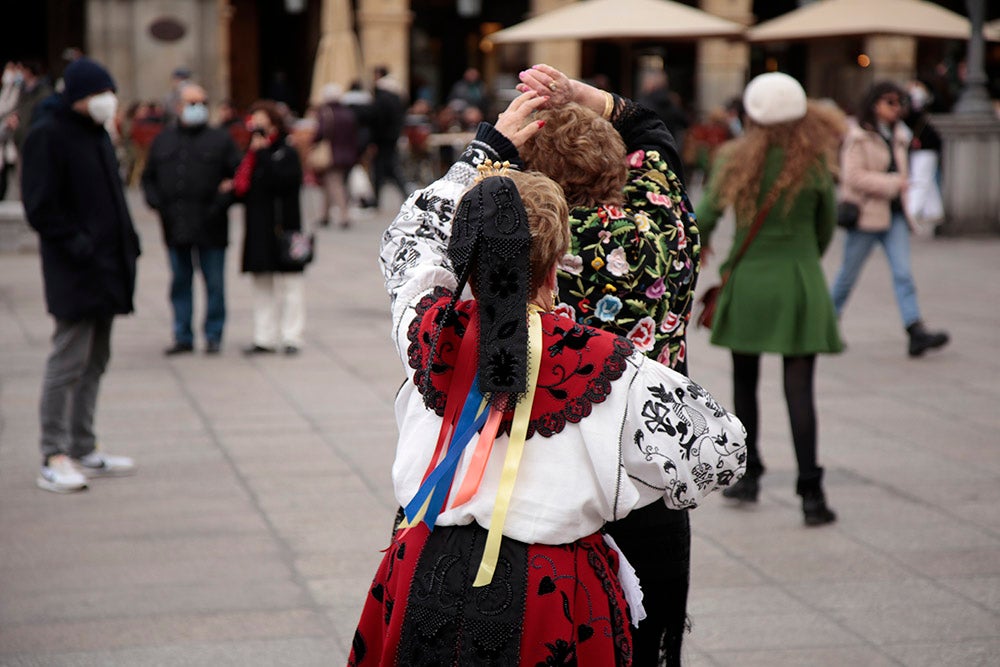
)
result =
(468, 425)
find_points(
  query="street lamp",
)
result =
(974, 98)
(469, 8)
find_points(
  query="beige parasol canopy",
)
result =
(338, 58)
(841, 18)
(992, 30)
(620, 19)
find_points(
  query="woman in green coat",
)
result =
(776, 299)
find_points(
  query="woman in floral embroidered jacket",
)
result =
(579, 431)
(631, 270)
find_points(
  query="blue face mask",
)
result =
(194, 114)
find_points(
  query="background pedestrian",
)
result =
(188, 181)
(874, 173)
(339, 128)
(268, 182)
(777, 179)
(74, 200)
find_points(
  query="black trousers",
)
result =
(657, 542)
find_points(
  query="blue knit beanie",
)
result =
(84, 77)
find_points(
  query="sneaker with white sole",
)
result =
(60, 476)
(99, 464)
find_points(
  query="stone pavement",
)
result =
(251, 532)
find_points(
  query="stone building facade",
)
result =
(246, 49)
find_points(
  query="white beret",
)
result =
(774, 98)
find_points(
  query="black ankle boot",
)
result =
(922, 340)
(814, 508)
(746, 489)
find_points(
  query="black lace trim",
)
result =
(422, 345)
(579, 363)
(627, 114)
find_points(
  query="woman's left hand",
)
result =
(512, 123)
(549, 81)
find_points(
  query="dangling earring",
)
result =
(555, 299)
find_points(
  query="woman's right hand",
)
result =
(258, 142)
(512, 123)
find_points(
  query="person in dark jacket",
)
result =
(656, 95)
(268, 181)
(390, 111)
(631, 270)
(188, 179)
(338, 127)
(73, 198)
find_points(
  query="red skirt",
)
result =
(546, 605)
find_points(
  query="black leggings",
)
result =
(798, 372)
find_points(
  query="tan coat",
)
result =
(864, 180)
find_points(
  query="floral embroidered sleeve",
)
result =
(412, 253)
(678, 442)
(633, 270)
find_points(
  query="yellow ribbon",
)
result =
(515, 448)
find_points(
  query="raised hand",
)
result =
(548, 81)
(513, 122)
(561, 90)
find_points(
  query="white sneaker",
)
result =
(99, 464)
(60, 476)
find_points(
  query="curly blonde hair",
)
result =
(582, 152)
(812, 139)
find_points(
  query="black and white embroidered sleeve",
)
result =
(412, 254)
(677, 439)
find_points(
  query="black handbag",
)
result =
(847, 214)
(295, 249)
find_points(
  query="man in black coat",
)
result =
(74, 199)
(390, 111)
(188, 179)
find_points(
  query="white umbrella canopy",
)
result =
(338, 58)
(842, 18)
(620, 19)
(992, 30)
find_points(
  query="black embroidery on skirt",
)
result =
(448, 622)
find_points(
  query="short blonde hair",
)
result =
(548, 222)
(582, 152)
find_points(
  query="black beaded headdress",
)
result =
(490, 235)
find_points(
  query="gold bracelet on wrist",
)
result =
(609, 104)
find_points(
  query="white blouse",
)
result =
(657, 437)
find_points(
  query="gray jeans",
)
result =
(80, 353)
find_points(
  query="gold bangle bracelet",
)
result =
(609, 104)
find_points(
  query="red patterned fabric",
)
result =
(244, 172)
(579, 363)
(550, 605)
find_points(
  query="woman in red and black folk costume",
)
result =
(521, 433)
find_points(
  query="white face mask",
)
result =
(102, 107)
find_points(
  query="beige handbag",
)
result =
(320, 155)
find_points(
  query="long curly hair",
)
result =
(812, 139)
